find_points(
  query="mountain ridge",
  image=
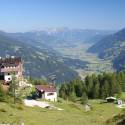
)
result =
(38, 62)
(111, 47)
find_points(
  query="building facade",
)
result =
(9, 66)
(47, 92)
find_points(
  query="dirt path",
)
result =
(41, 104)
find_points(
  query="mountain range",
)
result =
(37, 50)
(112, 47)
(38, 63)
(64, 36)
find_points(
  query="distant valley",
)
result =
(60, 52)
(112, 48)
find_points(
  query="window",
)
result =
(2, 66)
(50, 94)
(1, 76)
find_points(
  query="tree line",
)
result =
(94, 86)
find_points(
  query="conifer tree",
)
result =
(84, 98)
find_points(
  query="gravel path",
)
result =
(121, 106)
(41, 104)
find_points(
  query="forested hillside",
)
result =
(42, 58)
(38, 63)
(94, 86)
(112, 47)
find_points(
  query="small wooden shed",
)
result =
(111, 99)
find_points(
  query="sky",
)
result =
(26, 15)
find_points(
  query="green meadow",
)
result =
(72, 114)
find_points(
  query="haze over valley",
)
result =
(57, 51)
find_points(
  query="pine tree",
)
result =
(78, 88)
(96, 87)
(115, 86)
(72, 96)
(96, 91)
(105, 89)
(63, 91)
(13, 87)
(84, 98)
(89, 85)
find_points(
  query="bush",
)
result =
(19, 100)
(20, 107)
(2, 94)
(17, 106)
(2, 110)
(60, 100)
(72, 97)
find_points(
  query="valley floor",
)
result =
(78, 51)
(73, 114)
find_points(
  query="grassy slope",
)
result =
(73, 114)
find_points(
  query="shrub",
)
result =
(60, 100)
(2, 94)
(20, 107)
(17, 106)
(2, 110)
(72, 97)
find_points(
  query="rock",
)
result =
(87, 108)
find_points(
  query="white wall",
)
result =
(50, 97)
(7, 77)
